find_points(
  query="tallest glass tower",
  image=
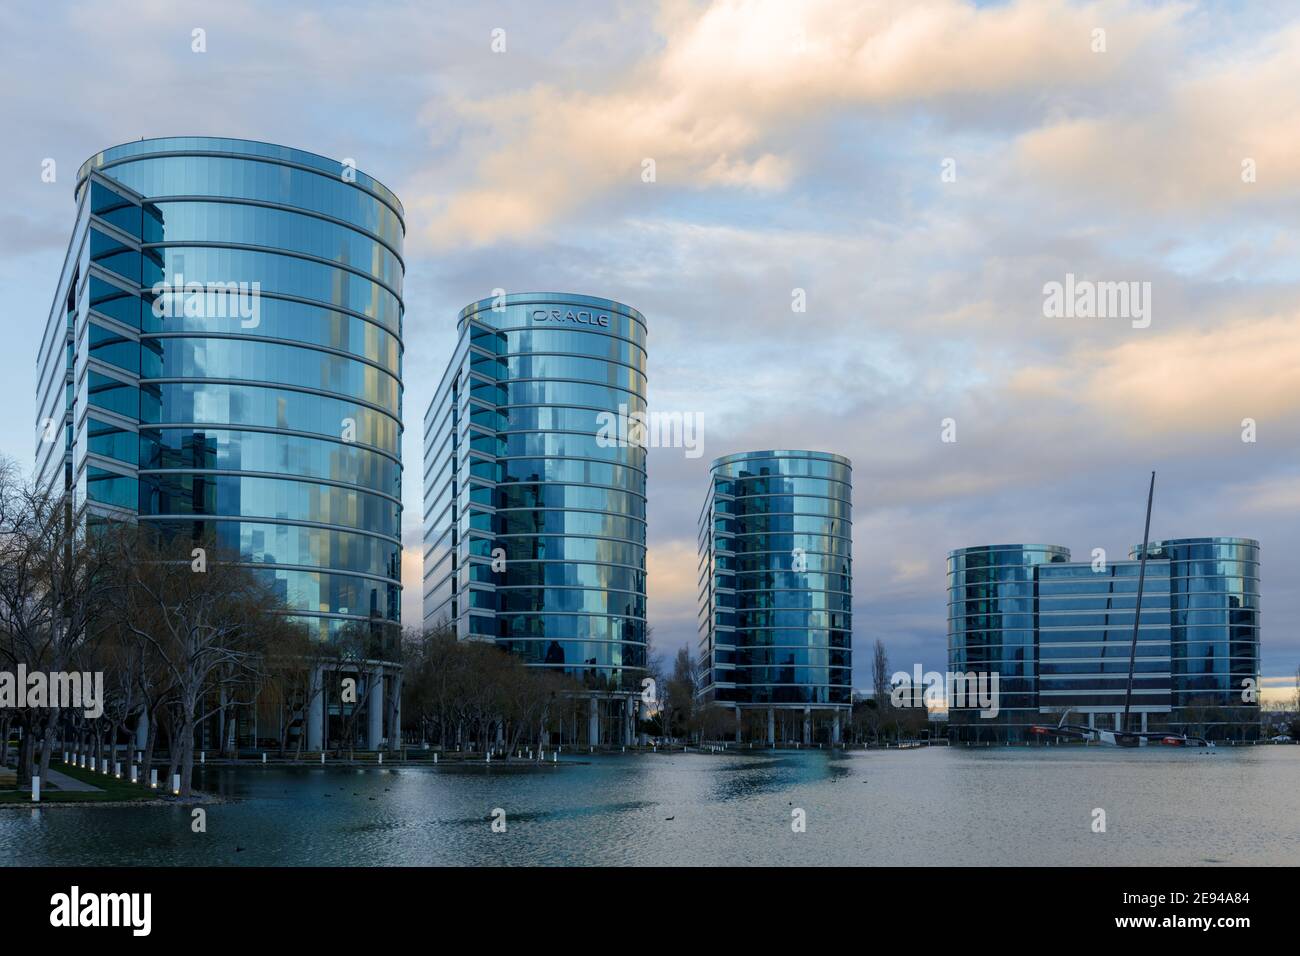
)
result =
(224, 356)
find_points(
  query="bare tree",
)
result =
(880, 674)
(54, 578)
(201, 613)
(293, 661)
(677, 700)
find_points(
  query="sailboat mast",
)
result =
(1137, 612)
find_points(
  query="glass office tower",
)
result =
(224, 357)
(1214, 633)
(992, 629)
(1059, 635)
(534, 520)
(776, 589)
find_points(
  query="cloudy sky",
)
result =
(921, 169)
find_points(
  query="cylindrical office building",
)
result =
(535, 481)
(776, 590)
(1213, 634)
(245, 317)
(225, 355)
(992, 629)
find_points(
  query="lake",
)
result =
(932, 806)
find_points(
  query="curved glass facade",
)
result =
(1214, 633)
(992, 629)
(234, 312)
(776, 582)
(535, 525)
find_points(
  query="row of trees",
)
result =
(179, 631)
(460, 692)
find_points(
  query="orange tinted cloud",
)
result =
(714, 107)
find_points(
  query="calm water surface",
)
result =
(918, 807)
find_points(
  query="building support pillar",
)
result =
(315, 710)
(395, 711)
(375, 711)
(807, 725)
(738, 723)
(221, 720)
(835, 730)
(771, 727)
(593, 724)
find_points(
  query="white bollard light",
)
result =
(435, 757)
(133, 774)
(176, 784)
(322, 758)
(153, 779)
(117, 770)
(36, 789)
(263, 756)
(203, 756)
(381, 760)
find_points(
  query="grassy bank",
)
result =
(111, 790)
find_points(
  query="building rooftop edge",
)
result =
(780, 453)
(103, 156)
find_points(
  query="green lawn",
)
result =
(110, 788)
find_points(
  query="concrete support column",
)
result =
(738, 722)
(395, 711)
(771, 727)
(1144, 721)
(807, 725)
(641, 714)
(593, 724)
(315, 711)
(1119, 716)
(629, 721)
(375, 710)
(835, 729)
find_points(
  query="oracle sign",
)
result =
(569, 317)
